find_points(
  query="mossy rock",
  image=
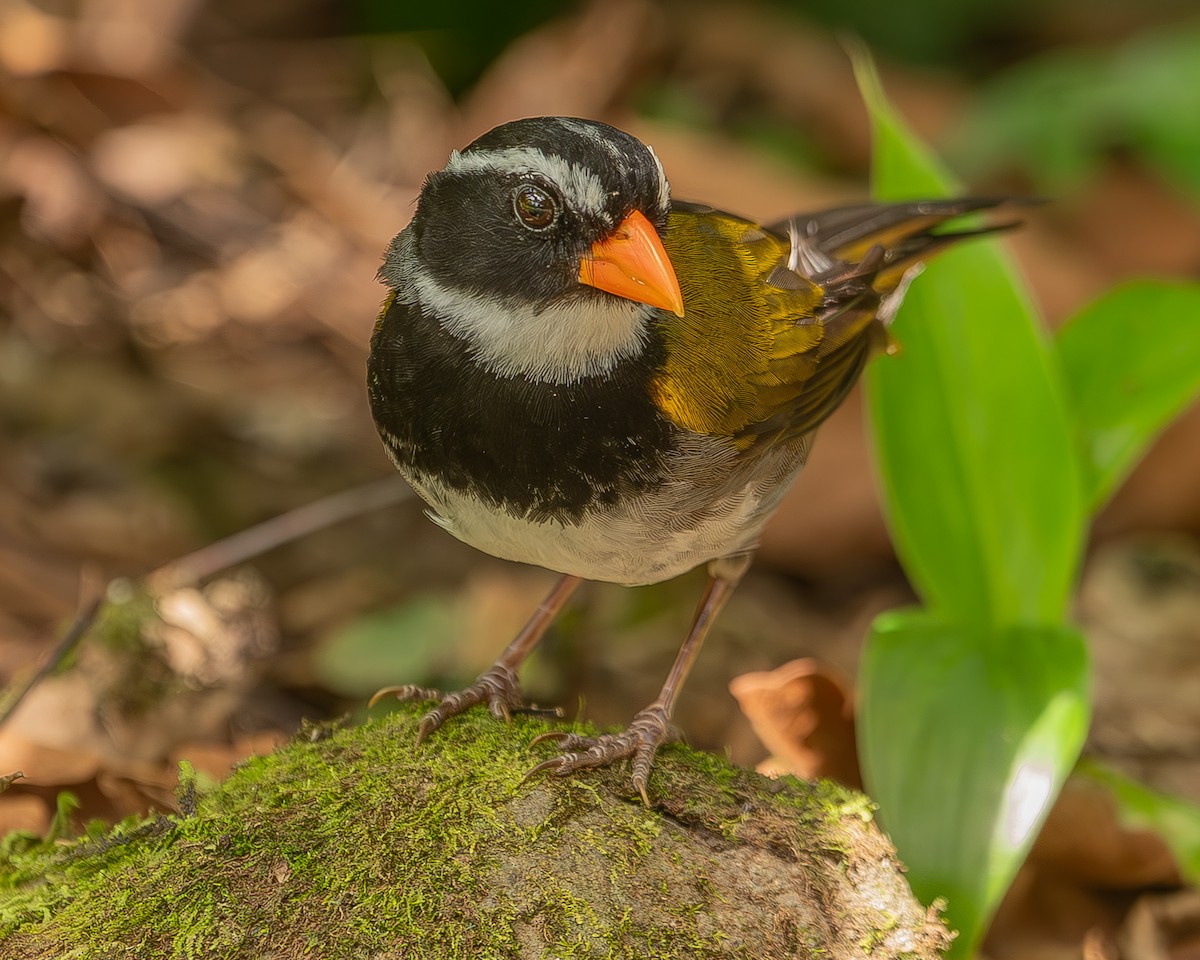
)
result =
(353, 844)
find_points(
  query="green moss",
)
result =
(353, 843)
(120, 622)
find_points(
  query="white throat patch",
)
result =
(559, 344)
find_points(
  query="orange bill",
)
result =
(633, 264)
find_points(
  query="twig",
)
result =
(9, 779)
(233, 550)
(277, 531)
(83, 622)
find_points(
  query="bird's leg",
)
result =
(650, 728)
(497, 686)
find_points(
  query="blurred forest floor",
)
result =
(194, 198)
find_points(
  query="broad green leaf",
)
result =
(413, 643)
(1156, 92)
(1131, 361)
(1174, 819)
(902, 166)
(977, 455)
(966, 735)
(1059, 114)
(1010, 122)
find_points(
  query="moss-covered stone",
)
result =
(356, 845)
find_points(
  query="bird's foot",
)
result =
(648, 731)
(496, 686)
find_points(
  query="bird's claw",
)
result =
(552, 736)
(640, 741)
(497, 687)
(405, 693)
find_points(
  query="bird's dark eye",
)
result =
(535, 206)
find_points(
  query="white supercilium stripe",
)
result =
(664, 188)
(559, 344)
(580, 186)
(609, 146)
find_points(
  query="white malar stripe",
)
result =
(559, 344)
(580, 187)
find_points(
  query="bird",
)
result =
(575, 370)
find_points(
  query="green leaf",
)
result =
(902, 167)
(1060, 114)
(1156, 86)
(1131, 361)
(414, 643)
(1174, 819)
(1051, 113)
(967, 734)
(978, 458)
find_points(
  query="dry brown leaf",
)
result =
(216, 760)
(131, 37)
(58, 714)
(1045, 916)
(24, 811)
(32, 42)
(570, 67)
(61, 203)
(45, 765)
(804, 715)
(1163, 926)
(1139, 604)
(1085, 872)
(164, 156)
(217, 635)
(151, 788)
(1160, 494)
(1084, 841)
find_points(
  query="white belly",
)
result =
(654, 537)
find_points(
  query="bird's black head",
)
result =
(513, 214)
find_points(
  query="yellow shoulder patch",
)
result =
(743, 348)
